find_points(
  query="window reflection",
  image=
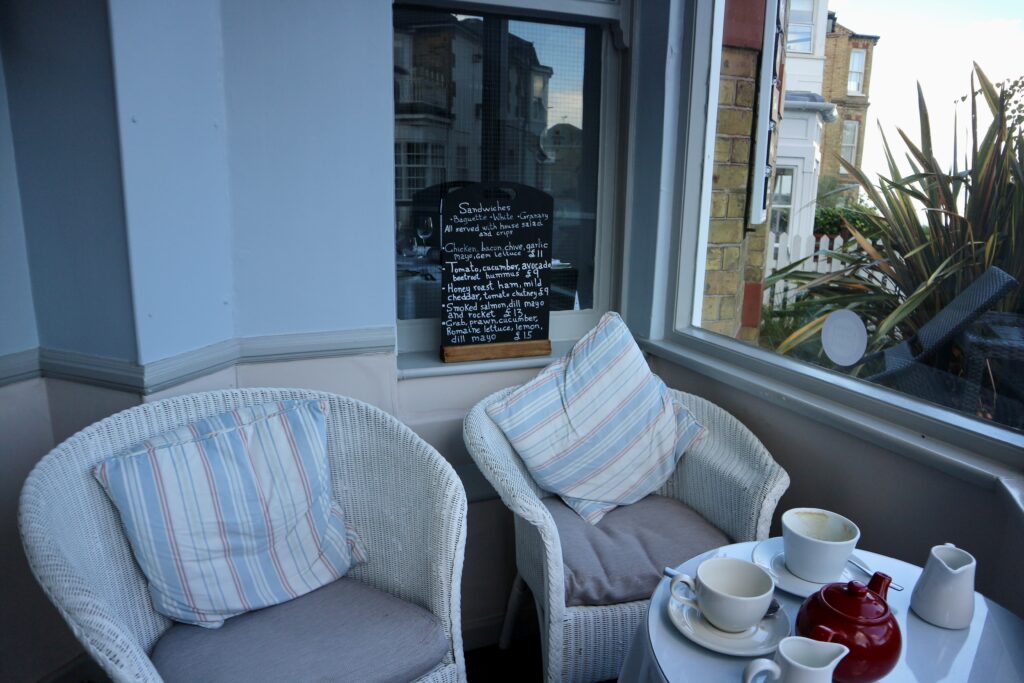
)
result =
(487, 98)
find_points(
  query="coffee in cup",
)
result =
(732, 594)
(817, 543)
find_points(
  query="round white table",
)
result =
(990, 651)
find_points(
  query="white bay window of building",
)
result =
(893, 297)
(855, 76)
(487, 97)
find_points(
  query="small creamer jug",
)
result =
(944, 595)
(798, 660)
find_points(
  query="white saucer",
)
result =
(757, 640)
(769, 554)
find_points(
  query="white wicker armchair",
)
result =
(402, 497)
(727, 476)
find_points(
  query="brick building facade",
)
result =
(846, 83)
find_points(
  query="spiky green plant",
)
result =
(934, 232)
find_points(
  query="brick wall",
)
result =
(734, 257)
(838, 45)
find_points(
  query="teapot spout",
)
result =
(879, 584)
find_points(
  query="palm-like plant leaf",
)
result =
(934, 232)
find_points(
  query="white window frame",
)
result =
(851, 71)
(793, 178)
(854, 125)
(433, 172)
(423, 335)
(964, 447)
(810, 27)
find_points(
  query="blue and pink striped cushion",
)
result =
(234, 512)
(597, 427)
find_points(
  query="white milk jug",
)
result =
(798, 660)
(944, 595)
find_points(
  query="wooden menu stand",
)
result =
(465, 352)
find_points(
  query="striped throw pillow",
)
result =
(234, 512)
(597, 427)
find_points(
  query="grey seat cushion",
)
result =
(621, 558)
(344, 631)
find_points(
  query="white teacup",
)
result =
(817, 543)
(732, 594)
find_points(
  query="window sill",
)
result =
(419, 364)
(934, 436)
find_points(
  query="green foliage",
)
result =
(832, 220)
(1013, 90)
(934, 232)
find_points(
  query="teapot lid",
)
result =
(854, 601)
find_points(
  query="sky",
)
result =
(561, 48)
(933, 42)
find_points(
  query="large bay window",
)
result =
(924, 364)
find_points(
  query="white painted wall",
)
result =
(643, 264)
(60, 93)
(18, 330)
(171, 116)
(310, 131)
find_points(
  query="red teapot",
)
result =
(858, 617)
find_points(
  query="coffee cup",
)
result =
(732, 594)
(817, 543)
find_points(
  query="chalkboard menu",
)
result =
(495, 265)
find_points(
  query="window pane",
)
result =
(798, 37)
(855, 82)
(487, 98)
(883, 286)
(801, 11)
(848, 148)
(783, 190)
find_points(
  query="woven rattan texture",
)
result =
(727, 476)
(402, 497)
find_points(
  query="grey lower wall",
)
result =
(902, 506)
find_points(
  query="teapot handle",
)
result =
(759, 666)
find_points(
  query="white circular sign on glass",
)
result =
(844, 337)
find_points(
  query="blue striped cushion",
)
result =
(234, 512)
(597, 427)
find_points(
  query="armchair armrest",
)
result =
(92, 620)
(727, 475)
(538, 545)
(409, 508)
(501, 465)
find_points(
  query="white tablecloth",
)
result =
(990, 651)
